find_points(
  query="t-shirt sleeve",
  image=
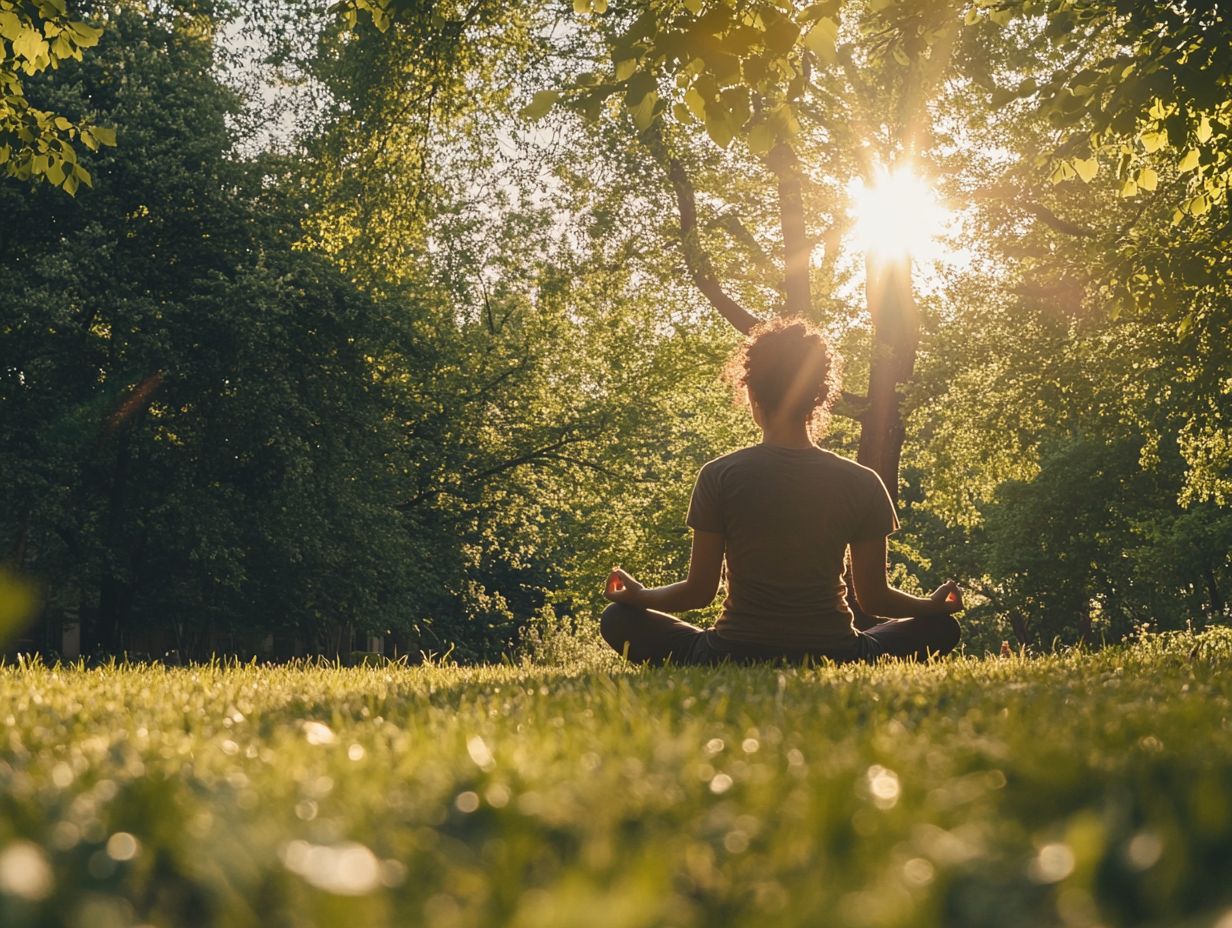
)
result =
(878, 518)
(704, 513)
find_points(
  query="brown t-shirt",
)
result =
(787, 516)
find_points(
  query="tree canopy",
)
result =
(431, 361)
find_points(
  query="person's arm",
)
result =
(877, 597)
(695, 592)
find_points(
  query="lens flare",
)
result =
(896, 215)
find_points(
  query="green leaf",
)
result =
(720, 129)
(1148, 179)
(822, 38)
(105, 135)
(581, 6)
(695, 102)
(643, 111)
(693, 6)
(761, 138)
(1062, 172)
(1153, 141)
(10, 25)
(29, 45)
(539, 105)
(1199, 205)
(1086, 168)
(1189, 162)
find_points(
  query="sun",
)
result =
(897, 215)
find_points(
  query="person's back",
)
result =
(787, 516)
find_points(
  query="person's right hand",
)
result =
(946, 599)
(622, 588)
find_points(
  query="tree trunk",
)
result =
(1214, 594)
(896, 335)
(112, 592)
(1084, 626)
(796, 245)
(116, 585)
(1018, 622)
(23, 539)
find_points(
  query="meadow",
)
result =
(1071, 789)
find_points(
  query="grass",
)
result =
(1079, 789)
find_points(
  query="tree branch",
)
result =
(696, 260)
(850, 406)
(1053, 221)
(567, 435)
(731, 224)
(1007, 195)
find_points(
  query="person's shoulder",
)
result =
(715, 468)
(732, 457)
(849, 469)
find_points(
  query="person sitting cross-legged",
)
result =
(783, 514)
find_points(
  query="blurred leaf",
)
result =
(540, 104)
(821, 39)
(18, 602)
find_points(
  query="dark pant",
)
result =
(646, 636)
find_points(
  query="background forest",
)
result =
(399, 319)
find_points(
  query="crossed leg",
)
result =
(917, 638)
(649, 636)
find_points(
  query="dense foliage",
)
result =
(214, 434)
(425, 356)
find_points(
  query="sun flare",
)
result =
(897, 215)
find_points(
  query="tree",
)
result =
(196, 438)
(1078, 405)
(1141, 93)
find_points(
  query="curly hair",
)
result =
(789, 368)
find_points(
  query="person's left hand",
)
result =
(947, 598)
(622, 588)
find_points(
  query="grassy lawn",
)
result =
(1066, 790)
